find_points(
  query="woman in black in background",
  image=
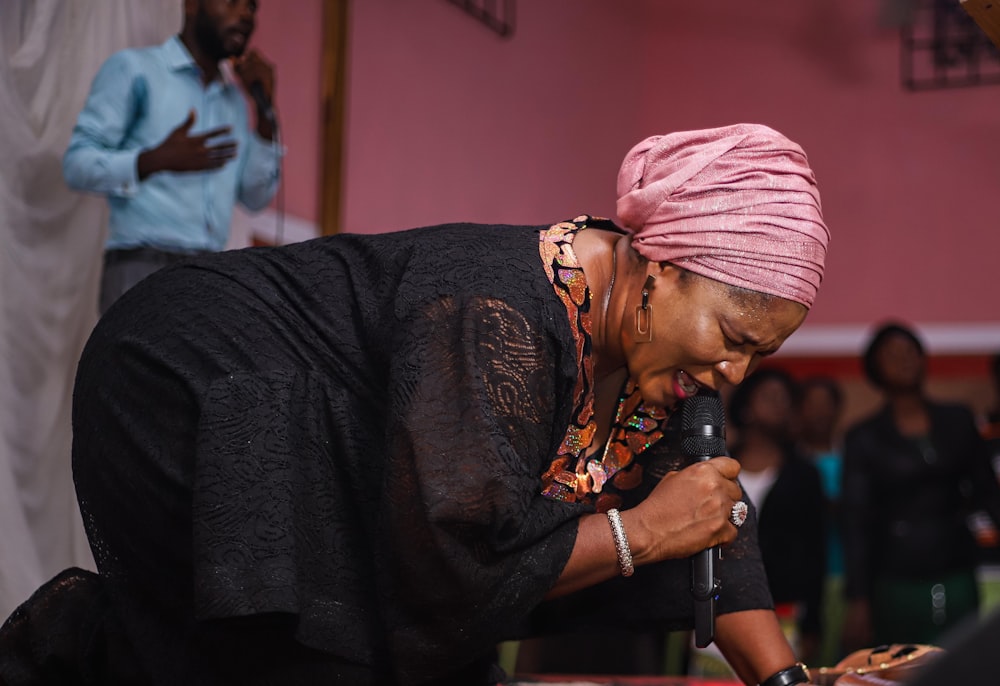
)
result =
(912, 471)
(788, 494)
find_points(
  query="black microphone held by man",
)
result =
(262, 101)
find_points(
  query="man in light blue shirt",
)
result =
(165, 135)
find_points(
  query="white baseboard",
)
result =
(267, 227)
(812, 340)
(972, 338)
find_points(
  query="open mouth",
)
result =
(684, 385)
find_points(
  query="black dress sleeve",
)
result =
(471, 546)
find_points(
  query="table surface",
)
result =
(613, 680)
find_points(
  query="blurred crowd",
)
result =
(875, 527)
(907, 499)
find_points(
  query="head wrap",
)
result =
(737, 204)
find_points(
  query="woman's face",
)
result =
(819, 413)
(770, 407)
(705, 335)
(900, 363)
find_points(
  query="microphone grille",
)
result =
(698, 412)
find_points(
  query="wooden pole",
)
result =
(332, 121)
(986, 13)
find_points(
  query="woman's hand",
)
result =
(687, 512)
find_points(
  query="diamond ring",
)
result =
(739, 513)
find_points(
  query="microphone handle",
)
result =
(703, 436)
(705, 590)
(263, 104)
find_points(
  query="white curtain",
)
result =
(50, 258)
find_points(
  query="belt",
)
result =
(147, 254)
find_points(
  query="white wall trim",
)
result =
(265, 226)
(972, 338)
(812, 340)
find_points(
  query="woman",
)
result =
(788, 493)
(371, 458)
(821, 442)
(911, 472)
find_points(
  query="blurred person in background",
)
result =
(988, 535)
(820, 441)
(913, 471)
(165, 136)
(788, 494)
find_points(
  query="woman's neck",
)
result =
(607, 393)
(758, 451)
(909, 413)
(605, 259)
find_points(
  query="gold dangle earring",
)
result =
(643, 332)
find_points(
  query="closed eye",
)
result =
(734, 343)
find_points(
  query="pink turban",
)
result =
(737, 204)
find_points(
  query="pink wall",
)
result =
(292, 40)
(447, 121)
(908, 179)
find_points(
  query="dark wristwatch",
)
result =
(796, 674)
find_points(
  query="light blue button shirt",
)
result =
(137, 98)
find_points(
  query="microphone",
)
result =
(703, 436)
(263, 103)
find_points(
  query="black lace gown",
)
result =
(322, 462)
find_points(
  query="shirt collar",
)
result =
(178, 58)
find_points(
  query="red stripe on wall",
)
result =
(938, 366)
